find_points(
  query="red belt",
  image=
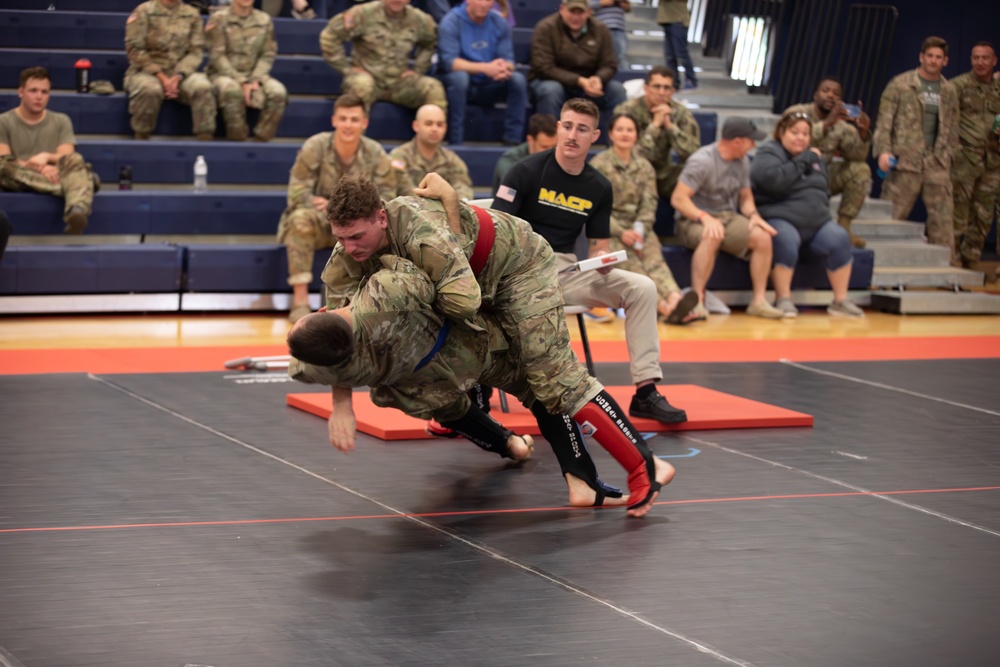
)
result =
(484, 242)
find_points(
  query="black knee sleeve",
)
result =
(482, 430)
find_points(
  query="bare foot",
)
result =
(664, 475)
(520, 447)
(581, 495)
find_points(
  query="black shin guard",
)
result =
(568, 445)
(481, 395)
(482, 430)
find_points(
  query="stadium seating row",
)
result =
(167, 268)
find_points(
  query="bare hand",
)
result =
(320, 203)
(592, 86)
(341, 427)
(407, 73)
(863, 121)
(662, 117)
(248, 89)
(433, 186)
(714, 229)
(498, 70)
(630, 237)
(605, 270)
(883, 161)
(359, 70)
(838, 112)
(171, 86)
(50, 172)
(36, 162)
(756, 221)
(817, 151)
(625, 5)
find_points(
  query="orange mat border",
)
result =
(707, 410)
(200, 359)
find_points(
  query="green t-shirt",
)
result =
(26, 140)
(931, 91)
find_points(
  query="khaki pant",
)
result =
(735, 242)
(75, 185)
(303, 231)
(976, 192)
(934, 185)
(145, 97)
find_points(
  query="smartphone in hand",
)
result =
(853, 110)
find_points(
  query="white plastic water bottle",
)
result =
(200, 174)
(640, 229)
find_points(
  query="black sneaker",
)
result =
(656, 407)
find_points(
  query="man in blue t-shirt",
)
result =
(477, 55)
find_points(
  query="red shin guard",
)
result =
(606, 421)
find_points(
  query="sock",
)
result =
(644, 392)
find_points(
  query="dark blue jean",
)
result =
(675, 48)
(550, 95)
(830, 240)
(462, 89)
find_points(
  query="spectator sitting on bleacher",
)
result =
(241, 52)
(612, 14)
(438, 9)
(844, 142)
(790, 187)
(715, 210)
(666, 126)
(165, 43)
(572, 55)
(477, 56)
(38, 151)
(323, 159)
(383, 33)
(424, 153)
(541, 137)
(634, 183)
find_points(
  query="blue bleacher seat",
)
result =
(734, 274)
(244, 268)
(95, 269)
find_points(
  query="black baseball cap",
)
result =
(737, 127)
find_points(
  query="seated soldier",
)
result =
(38, 152)
(424, 153)
(165, 44)
(323, 159)
(541, 137)
(382, 34)
(479, 259)
(241, 52)
(359, 346)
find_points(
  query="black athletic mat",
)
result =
(194, 519)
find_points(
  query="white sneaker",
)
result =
(845, 308)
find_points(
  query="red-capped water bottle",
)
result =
(82, 75)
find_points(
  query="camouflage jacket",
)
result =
(655, 142)
(381, 45)
(841, 140)
(395, 328)
(635, 190)
(980, 106)
(446, 162)
(158, 39)
(240, 48)
(900, 126)
(317, 169)
(418, 230)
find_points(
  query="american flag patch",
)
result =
(507, 194)
(398, 164)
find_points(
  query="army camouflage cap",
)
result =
(102, 87)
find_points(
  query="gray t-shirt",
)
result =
(716, 182)
(26, 140)
(931, 92)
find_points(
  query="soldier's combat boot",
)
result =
(75, 219)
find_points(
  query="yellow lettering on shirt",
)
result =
(559, 200)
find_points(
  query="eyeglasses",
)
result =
(659, 86)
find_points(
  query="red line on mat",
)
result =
(241, 522)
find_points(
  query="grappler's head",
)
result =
(321, 339)
(357, 217)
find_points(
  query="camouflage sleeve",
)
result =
(218, 54)
(602, 163)
(685, 134)
(391, 182)
(433, 248)
(305, 173)
(648, 141)
(426, 45)
(460, 179)
(196, 49)
(332, 38)
(851, 147)
(340, 286)
(882, 139)
(954, 143)
(265, 61)
(136, 28)
(648, 197)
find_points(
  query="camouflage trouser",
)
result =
(234, 109)
(145, 96)
(666, 180)
(303, 231)
(853, 181)
(76, 181)
(976, 195)
(651, 263)
(412, 92)
(934, 184)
